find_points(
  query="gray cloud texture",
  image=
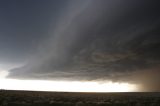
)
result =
(100, 40)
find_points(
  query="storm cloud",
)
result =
(97, 40)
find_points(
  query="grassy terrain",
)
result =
(31, 98)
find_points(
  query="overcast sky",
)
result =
(82, 40)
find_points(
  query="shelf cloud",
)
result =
(88, 40)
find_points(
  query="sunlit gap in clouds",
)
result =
(66, 86)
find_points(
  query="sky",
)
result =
(81, 40)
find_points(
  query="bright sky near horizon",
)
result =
(64, 86)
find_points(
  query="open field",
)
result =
(32, 98)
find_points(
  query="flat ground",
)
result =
(32, 98)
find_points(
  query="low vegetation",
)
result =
(30, 98)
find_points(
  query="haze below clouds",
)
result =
(87, 40)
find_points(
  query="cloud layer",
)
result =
(100, 40)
